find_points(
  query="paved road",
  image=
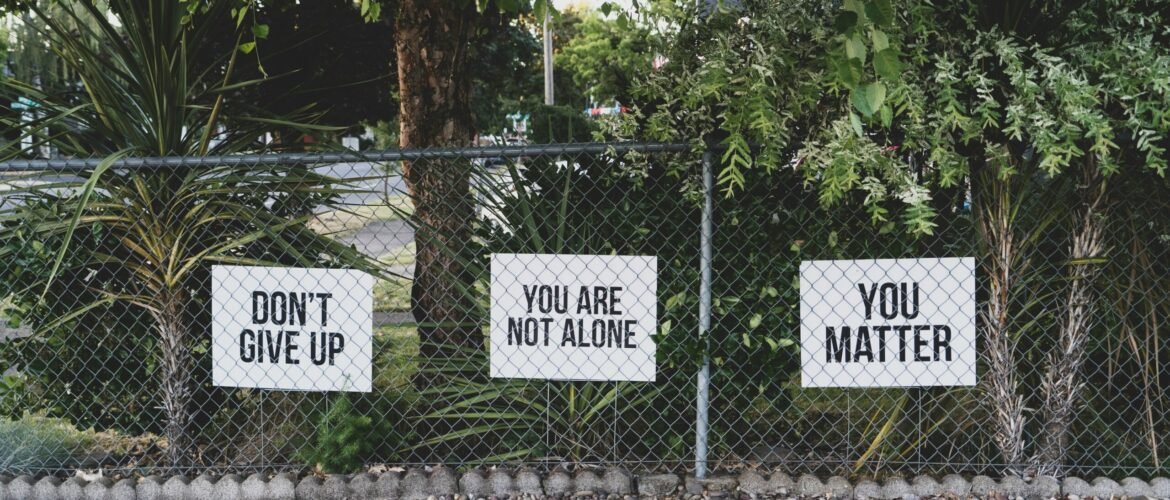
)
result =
(371, 178)
(381, 237)
(374, 182)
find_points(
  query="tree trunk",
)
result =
(994, 210)
(175, 372)
(435, 111)
(1060, 388)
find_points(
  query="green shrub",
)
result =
(346, 438)
(40, 442)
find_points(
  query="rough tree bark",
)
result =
(1060, 388)
(996, 204)
(175, 364)
(435, 111)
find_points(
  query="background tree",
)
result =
(436, 42)
(606, 56)
(433, 46)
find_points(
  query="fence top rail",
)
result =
(319, 158)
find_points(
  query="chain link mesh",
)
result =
(108, 364)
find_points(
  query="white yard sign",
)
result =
(573, 317)
(291, 328)
(887, 323)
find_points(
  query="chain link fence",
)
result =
(108, 268)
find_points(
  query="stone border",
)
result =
(417, 484)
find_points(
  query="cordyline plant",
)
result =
(104, 234)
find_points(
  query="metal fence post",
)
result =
(703, 398)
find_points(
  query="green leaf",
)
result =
(664, 328)
(260, 31)
(754, 323)
(845, 22)
(881, 12)
(880, 40)
(372, 10)
(849, 71)
(87, 191)
(855, 48)
(887, 115)
(624, 22)
(868, 98)
(508, 5)
(855, 124)
(887, 65)
(247, 47)
(856, 7)
(240, 15)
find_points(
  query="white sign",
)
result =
(291, 328)
(573, 317)
(887, 323)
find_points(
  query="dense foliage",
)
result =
(128, 252)
(916, 111)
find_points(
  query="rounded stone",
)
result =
(809, 485)
(473, 484)
(149, 488)
(228, 487)
(657, 485)
(896, 487)
(387, 485)
(527, 482)
(1135, 487)
(123, 489)
(954, 484)
(1043, 486)
(1104, 487)
(202, 488)
(719, 485)
(98, 489)
(1013, 486)
(557, 483)
(617, 481)
(282, 486)
(1073, 485)
(443, 481)
(780, 483)
(982, 486)
(752, 483)
(586, 480)
(363, 486)
(1161, 487)
(310, 487)
(926, 486)
(20, 487)
(254, 487)
(867, 488)
(501, 483)
(336, 486)
(175, 487)
(46, 489)
(838, 486)
(73, 488)
(413, 485)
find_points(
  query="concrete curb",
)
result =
(445, 483)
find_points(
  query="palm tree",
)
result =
(147, 237)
